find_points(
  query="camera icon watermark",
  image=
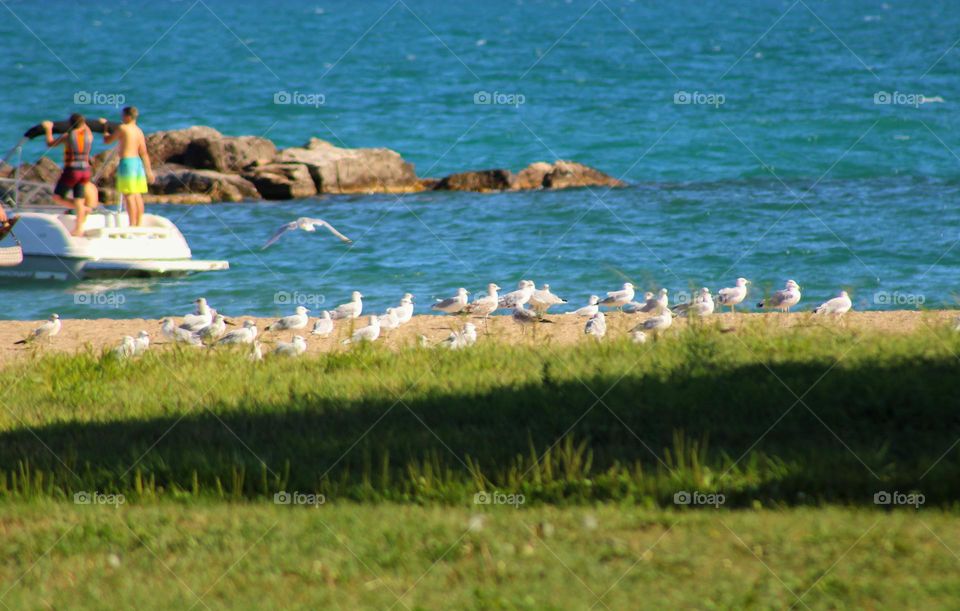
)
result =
(911, 499)
(109, 299)
(711, 499)
(899, 98)
(98, 498)
(898, 299)
(498, 98)
(99, 98)
(499, 498)
(299, 98)
(297, 298)
(299, 498)
(698, 98)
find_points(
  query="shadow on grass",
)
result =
(743, 431)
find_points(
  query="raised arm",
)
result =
(48, 131)
(108, 136)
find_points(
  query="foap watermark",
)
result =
(299, 98)
(99, 98)
(499, 498)
(309, 499)
(712, 499)
(896, 298)
(900, 98)
(98, 498)
(912, 499)
(699, 98)
(499, 98)
(298, 298)
(109, 299)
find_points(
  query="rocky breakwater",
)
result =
(200, 165)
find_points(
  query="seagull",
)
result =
(618, 299)
(351, 309)
(633, 307)
(734, 295)
(140, 343)
(294, 321)
(390, 320)
(543, 299)
(256, 353)
(45, 331)
(244, 335)
(485, 305)
(405, 309)
(517, 298)
(783, 299)
(591, 308)
(596, 326)
(638, 337)
(324, 325)
(656, 324)
(126, 349)
(525, 317)
(178, 335)
(199, 318)
(462, 339)
(214, 330)
(838, 305)
(702, 306)
(452, 305)
(370, 333)
(654, 303)
(306, 224)
(295, 348)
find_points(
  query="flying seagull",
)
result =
(306, 224)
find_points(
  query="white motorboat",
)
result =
(109, 247)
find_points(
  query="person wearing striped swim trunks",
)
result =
(133, 172)
(75, 179)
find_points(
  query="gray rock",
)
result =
(282, 180)
(172, 179)
(481, 180)
(362, 170)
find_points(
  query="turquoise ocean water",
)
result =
(803, 150)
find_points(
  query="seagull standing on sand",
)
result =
(352, 309)
(618, 299)
(298, 320)
(306, 224)
(783, 299)
(591, 308)
(214, 330)
(256, 352)
(485, 305)
(517, 298)
(126, 349)
(543, 299)
(370, 333)
(199, 318)
(324, 325)
(733, 296)
(634, 306)
(390, 320)
(452, 305)
(837, 306)
(178, 335)
(638, 337)
(141, 343)
(702, 306)
(295, 348)
(462, 339)
(656, 324)
(596, 326)
(46, 331)
(244, 335)
(405, 309)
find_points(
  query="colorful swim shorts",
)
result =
(131, 176)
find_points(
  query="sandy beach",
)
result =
(98, 334)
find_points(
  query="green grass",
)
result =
(766, 416)
(207, 555)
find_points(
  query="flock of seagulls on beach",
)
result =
(204, 327)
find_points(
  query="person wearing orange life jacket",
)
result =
(75, 179)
